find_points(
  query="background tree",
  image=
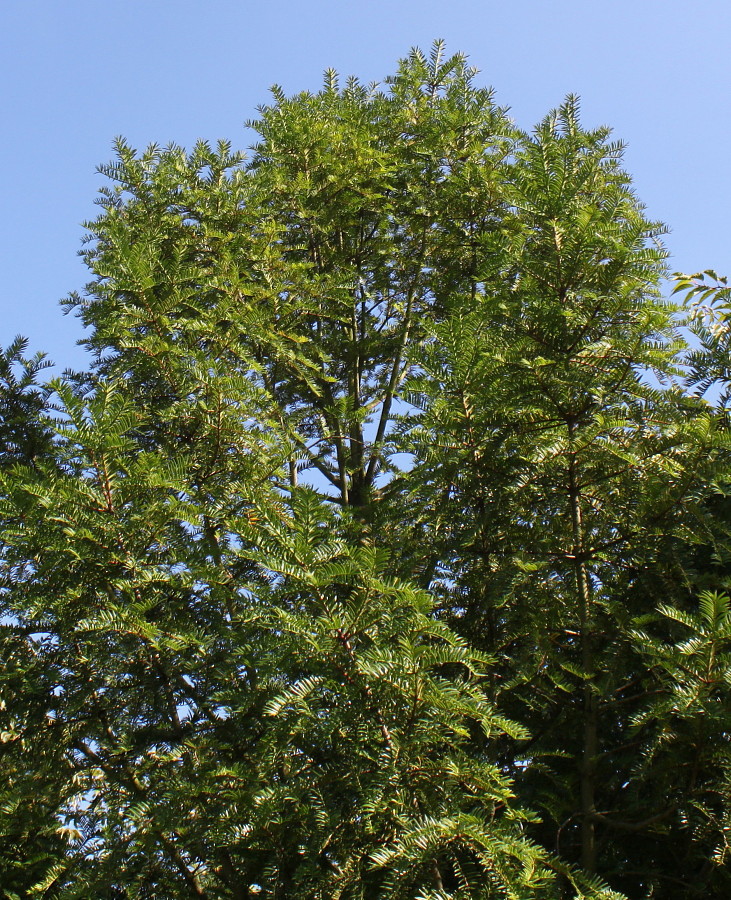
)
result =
(552, 474)
(34, 771)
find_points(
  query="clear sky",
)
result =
(79, 72)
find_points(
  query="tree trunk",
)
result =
(590, 712)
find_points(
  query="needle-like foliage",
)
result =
(337, 574)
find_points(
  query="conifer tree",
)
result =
(552, 473)
(337, 573)
(33, 767)
(249, 701)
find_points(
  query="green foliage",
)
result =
(707, 295)
(23, 399)
(555, 457)
(337, 574)
(682, 731)
(249, 699)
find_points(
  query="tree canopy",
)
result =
(381, 550)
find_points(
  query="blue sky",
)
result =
(79, 72)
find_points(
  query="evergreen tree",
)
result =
(33, 767)
(249, 654)
(552, 473)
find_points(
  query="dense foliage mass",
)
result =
(380, 552)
